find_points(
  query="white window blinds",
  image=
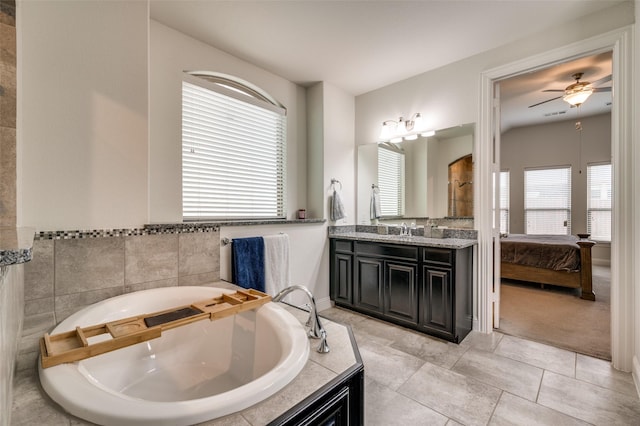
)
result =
(599, 201)
(547, 201)
(233, 153)
(391, 181)
(504, 201)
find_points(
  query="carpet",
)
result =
(558, 317)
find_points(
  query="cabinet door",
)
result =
(369, 284)
(436, 307)
(401, 298)
(342, 279)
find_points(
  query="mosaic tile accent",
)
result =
(105, 233)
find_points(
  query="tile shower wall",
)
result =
(8, 113)
(11, 301)
(73, 270)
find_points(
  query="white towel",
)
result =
(375, 204)
(276, 263)
(337, 208)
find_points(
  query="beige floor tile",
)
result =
(430, 349)
(458, 397)
(513, 376)
(513, 410)
(540, 355)
(601, 373)
(588, 402)
(384, 407)
(387, 365)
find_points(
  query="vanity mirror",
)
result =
(421, 168)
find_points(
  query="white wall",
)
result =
(82, 114)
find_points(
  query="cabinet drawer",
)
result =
(344, 245)
(438, 255)
(404, 252)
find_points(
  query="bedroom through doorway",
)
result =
(541, 134)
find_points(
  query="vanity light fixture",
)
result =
(396, 131)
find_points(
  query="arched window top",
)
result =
(237, 85)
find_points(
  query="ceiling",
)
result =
(360, 46)
(518, 93)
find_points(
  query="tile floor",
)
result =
(414, 379)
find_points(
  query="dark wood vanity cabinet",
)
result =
(425, 288)
(446, 298)
(341, 272)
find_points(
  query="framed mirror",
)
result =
(424, 184)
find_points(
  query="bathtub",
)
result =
(191, 374)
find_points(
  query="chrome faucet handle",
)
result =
(323, 348)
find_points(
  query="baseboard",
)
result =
(601, 262)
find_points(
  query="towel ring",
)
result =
(334, 181)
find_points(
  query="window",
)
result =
(391, 180)
(504, 202)
(599, 201)
(233, 151)
(547, 201)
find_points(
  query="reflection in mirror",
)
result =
(461, 187)
(426, 175)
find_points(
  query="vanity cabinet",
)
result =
(425, 288)
(386, 280)
(446, 299)
(341, 271)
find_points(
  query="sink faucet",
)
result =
(316, 331)
(404, 230)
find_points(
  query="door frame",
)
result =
(620, 41)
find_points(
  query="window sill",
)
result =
(219, 223)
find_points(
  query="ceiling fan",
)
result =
(578, 92)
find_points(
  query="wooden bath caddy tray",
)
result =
(74, 345)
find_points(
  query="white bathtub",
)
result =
(190, 374)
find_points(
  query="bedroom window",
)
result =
(233, 150)
(504, 202)
(599, 201)
(391, 180)
(547, 201)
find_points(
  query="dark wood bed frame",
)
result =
(579, 279)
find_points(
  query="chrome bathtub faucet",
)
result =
(316, 331)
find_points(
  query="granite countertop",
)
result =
(16, 245)
(452, 243)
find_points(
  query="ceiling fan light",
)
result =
(577, 98)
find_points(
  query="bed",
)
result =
(562, 260)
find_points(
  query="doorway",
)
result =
(542, 134)
(487, 160)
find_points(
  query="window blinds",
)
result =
(599, 201)
(547, 201)
(391, 181)
(233, 154)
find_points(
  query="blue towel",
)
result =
(248, 262)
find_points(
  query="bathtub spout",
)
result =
(316, 330)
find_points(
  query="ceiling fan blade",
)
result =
(544, 102)
(602, 89)
(602, 80)
(553, 90)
